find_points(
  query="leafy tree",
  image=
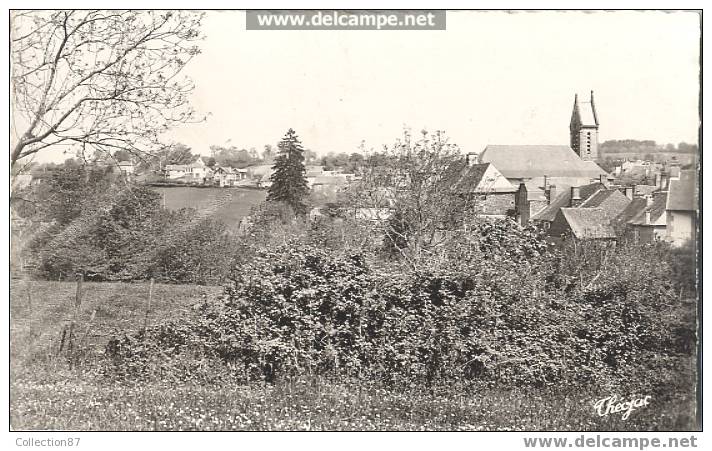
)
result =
(418, 180)
(122, 155)
(234, 157)
(98, 80)
(289, 184)
(268, 153)
(335, 161)
(179, 154)
(310, 156)
(70, 189)
(687, 148)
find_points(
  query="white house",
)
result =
(681, 209)
(176, 171)
(227, 176)
(198, 169)
(126, 167)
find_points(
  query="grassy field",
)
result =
(40, 310)
(230, 204)
(46, 394)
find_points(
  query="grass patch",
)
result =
(309, 405)
(120, 307)
(234, 203)
(46, 395)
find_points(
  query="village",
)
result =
(559, 188)
(335, 231)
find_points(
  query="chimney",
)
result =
(471, 158)
(629, 192)
(647, 216)
(552, 193)
(663, 181)
(649, 200)
(575, 196)
(546, 183)
(603, 179)
(522, 204)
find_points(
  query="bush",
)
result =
(128, 236)
(303, 310)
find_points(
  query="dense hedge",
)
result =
(533, 319)
(127, 235)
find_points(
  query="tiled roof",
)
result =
(528, 161)
(634, 208)
(471, 178)
(473, 174)
(611, 200)
(563, 199)
(586, 223)
(683, 193)
(657, 209)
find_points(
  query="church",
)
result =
(528, 175)
(544, 165)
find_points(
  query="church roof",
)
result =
(588, 118)
(527, 161)
(585, 113)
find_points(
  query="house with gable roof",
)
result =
(681, 209)
(649, 223)
(489, 190)
(592, 217)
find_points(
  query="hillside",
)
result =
(228, 204)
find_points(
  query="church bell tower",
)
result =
(584, 129)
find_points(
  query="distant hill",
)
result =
(645, 146)
(631, 149)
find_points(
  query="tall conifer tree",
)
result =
(289, 184)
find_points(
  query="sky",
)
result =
(490, 78)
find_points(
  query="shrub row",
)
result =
(304, 310)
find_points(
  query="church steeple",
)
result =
(583, 129)
(593, 108)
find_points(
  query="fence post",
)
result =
(148, 305)
(77, 305)
(62, 339)
(28, 287)
(83, 341)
